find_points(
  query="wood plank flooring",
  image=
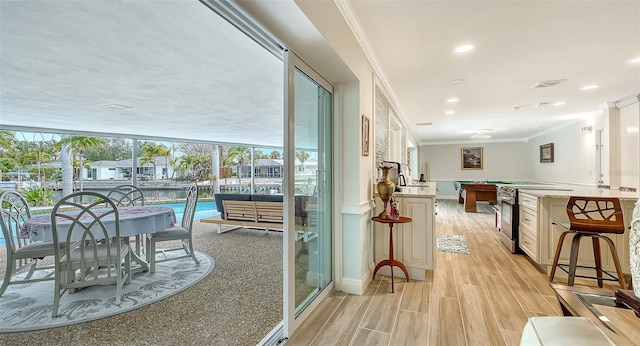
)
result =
(480, 299)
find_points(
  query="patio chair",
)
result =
(128, 196)
(21, 253)
(96, 257)
(182, 233)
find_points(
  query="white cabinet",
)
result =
(546, 236)
(413, 242)
(528, 226)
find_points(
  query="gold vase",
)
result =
(385, 189)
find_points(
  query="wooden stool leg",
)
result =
(557, 256)
(597, 257)
(573, 260)
(616, 261)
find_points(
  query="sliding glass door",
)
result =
(308, 257)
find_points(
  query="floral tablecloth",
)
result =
(133, 221)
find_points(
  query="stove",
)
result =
(507, 201)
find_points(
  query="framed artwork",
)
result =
(471, 158)
(365, 135)
(546, 152)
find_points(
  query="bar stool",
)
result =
(590, 217)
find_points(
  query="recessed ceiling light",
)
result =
(634, 61)
(449, 112)
(456, 81)
(465, 48)
(452, 100)
(589, 87)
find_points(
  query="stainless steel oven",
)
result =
(508, 222)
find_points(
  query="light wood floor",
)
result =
(480, 299)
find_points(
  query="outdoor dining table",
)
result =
(136, 220)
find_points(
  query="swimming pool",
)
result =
(203, 209)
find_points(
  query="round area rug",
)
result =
(28, 306)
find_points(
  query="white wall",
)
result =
(502, 161)
(574, 155)
(629, 142)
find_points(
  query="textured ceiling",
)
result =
(184, 72)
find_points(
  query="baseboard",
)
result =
(352, 286)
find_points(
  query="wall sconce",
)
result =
(586, 129)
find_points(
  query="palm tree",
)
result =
(302, 156)
(81, 143)
(7, 151)
(7, 140)
(38, 156)
(174, 163)
(186, 163)
(275, 155)
(166, 152)
(239, 156)
(147, 160)
(152, 150)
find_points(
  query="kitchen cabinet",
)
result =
(414, 242)
(528, 225)
(537, 228)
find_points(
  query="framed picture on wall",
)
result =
(471, 158)
(546, 152)
(365, 135)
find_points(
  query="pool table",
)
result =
(476, 191)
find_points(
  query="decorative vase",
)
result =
(385, 189)
(634, 249)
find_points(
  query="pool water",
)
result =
(203, 209)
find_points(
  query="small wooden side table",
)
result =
(391, 262)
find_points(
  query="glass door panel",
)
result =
(312, 190)
(308, 267)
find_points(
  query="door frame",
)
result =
(290, 322)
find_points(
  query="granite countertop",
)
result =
(424, 190)
(580, 190)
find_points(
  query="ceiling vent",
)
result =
(424, 124)
(535, 105)
(547, 83)
(118, 106)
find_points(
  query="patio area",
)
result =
(237, 304)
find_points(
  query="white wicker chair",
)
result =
(128, 196)
(95, 258)
(182, 232)
(21, 253)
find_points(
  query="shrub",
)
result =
(39, 197)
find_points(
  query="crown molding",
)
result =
(628, 101)
(347, 12)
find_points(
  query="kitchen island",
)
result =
(414, 242)
(539, 236)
